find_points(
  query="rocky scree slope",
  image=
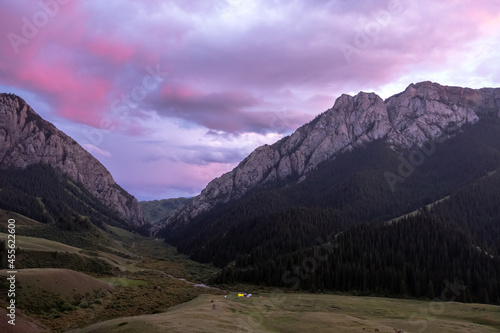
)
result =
(424, 112)
(25, 139)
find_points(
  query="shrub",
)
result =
(67, 307)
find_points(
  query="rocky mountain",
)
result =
(26, 139)
(424, 112)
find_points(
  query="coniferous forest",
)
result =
(45, 194)
(344, 229)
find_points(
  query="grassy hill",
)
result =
(72, 279)
(309, 313)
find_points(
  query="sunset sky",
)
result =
(171, 94)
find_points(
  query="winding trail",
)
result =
(200, 285)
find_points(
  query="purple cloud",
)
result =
(235, 73)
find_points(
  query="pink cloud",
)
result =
(263, 59)
(117, 52)
(64, 64)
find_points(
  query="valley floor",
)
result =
(308, 313)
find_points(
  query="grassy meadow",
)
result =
(290, 312)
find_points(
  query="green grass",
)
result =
(44, 291)
(41, 244)
(165, 258)
(114, 240)
(123, 234)
(89, 239)
(21, 220)
(110, 244)
(33, 248)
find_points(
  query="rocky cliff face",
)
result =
(25, 138)
(423, 112)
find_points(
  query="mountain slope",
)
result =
(457, 239)
(157, 210)
(47, 195)
(423, 112)
(346, 191)
(27, 139)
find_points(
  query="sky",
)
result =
(168, 95)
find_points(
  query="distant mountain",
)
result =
(391, 197)
(35, 153)
(158, 210)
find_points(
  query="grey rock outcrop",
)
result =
(424, 112)
(25, 139)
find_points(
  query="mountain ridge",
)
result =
(27, 139)
(423, 112)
